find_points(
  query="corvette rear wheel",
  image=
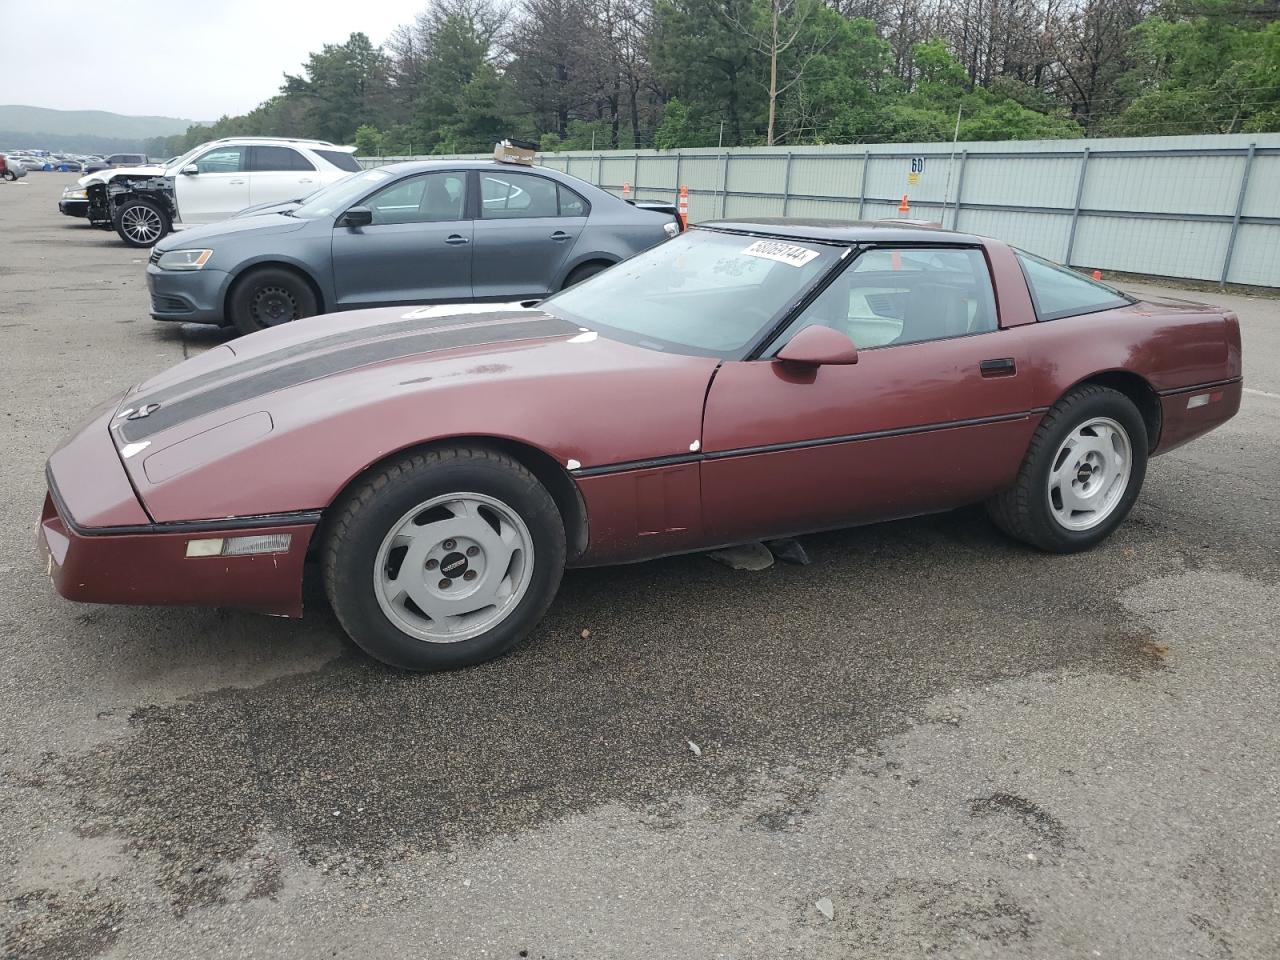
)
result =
(269, 297)
(141, 223)
(444, 559)
(1082, 473)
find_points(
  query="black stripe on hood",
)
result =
(409, 324)
(315, 366)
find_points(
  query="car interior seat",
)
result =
(933, 311)
(437, 203)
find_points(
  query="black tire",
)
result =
(1025, 511)
(10, 176)
(366, 514)
(268, 297)
(141, 223)
(582, 272)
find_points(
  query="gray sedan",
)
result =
(436, 231)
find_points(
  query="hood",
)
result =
(267, 223)
(102, 176)
(283, 419)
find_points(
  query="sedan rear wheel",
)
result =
(444, 559)
(1082, 473)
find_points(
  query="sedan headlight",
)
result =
(184, 259)
(74, 193)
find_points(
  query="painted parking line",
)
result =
(1262, 393)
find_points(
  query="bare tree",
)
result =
(783, 25)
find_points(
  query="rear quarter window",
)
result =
(1059, 292)
(340, 159)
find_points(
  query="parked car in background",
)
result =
(116, 160)
(34, 163)
(747, 380)
(417, 232)
(67, 165)
(11, 169)
(211, 183)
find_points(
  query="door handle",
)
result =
(306, 180)
(237, 183)
(559, 236)
(456, 239)
(1002, 367)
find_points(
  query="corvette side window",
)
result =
(907, 295)
(1059, 292)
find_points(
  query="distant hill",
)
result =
(84, 130)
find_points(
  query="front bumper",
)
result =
(194, 296)
(125, 558)
(73, 208)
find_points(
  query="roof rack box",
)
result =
(515, 151)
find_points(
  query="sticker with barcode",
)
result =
(781, 252)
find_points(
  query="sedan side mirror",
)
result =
(817, 346)
(356, 217)
(190, 170)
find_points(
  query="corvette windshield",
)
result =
(703, 292)
(337, 197)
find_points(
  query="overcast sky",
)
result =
(196, 60)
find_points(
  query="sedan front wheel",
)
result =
(269, 296)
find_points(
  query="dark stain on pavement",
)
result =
(359, 765)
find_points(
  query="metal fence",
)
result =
(1200, 208)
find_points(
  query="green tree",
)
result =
(677, 128)
(343, 87)
(368, 141)
(702, 57)
(1206, 66)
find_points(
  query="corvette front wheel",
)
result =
(444, 559)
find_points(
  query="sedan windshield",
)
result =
(337, 197)
(704, 292)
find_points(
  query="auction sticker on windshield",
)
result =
(781, 252)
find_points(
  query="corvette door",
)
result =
(933, 415)
(417, 250)
(219, 189)
(526, 229)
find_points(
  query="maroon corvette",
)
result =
(745, 380)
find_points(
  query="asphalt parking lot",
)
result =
(931, 742)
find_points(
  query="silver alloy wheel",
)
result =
(1090, 473)
(142, 224)
(453, 567)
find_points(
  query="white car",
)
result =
(210, 183)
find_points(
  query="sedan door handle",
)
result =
(1003, 367)
(559, 236)
(306, 180)
(456, 239)
(237, 183)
